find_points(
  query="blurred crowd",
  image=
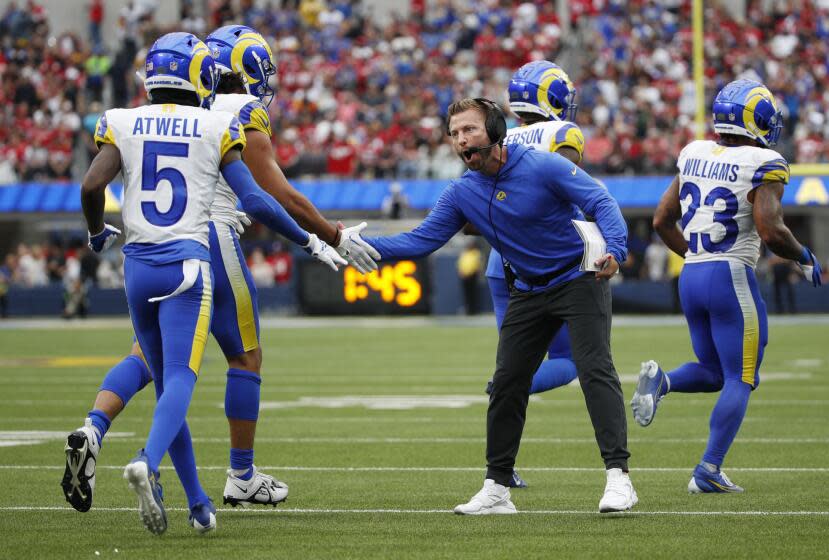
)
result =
(70, 264)
(360, 99)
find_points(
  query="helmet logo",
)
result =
(173, 66)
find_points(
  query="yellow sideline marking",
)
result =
(61, 361)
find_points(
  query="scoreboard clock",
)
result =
(395, 288)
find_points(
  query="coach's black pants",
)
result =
(531, 321)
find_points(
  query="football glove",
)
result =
(242, 221)
(356, 251)
(104, 239)
(810, 267)
(323, 252)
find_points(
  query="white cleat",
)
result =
(619, 494)
(492, 499)
(650, 390)
(150, 505)
(78, 482)
(260, 489)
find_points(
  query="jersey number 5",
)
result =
(151, 176)
(724, 217)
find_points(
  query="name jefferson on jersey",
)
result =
(548, 136)
(170, 156)
(714, 183)
(252, 115)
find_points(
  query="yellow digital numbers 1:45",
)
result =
(395, 283)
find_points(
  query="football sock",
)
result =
(128, 377)
(694, 378)
(553, 373)
(726, 419)
(100, 422)
(184, 461)
(242, 394)
(241, 463)
(242, 403)
(170, 412)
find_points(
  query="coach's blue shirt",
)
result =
(525, 212)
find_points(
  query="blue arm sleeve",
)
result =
(593, 199)
(260, 205)
(444, 221)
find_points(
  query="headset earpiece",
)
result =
(495, 122)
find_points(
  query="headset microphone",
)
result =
(467, 153)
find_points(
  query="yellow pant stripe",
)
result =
(241, 294)
(751, 324)
(203, 322)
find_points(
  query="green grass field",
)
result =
(371, 477)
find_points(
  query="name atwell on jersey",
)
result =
(167, 126)
(711, 169)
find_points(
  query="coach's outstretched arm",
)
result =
(103, 169)
(444, 221)
(269, 212)
(768, 217)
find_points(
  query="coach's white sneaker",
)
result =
(619, 494)
(492, 499)
(78, 482)
(259, 489)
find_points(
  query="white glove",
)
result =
(359, 254)
(104, 239)
(323, 252)
(241, 222)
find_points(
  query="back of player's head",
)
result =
(239, 50)
(494, 120)
(542, 88)
(180, 61)
(747, 108)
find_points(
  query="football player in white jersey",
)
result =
(235, 322)
(543, 97)
(171, 153)
(726, 198)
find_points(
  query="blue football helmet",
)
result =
(241, 50)
(543, 88)
(181, 61)
(747, 108)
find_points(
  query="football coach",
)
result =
(523, 202)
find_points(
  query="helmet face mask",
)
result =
(747, 108)
(543, 88)
(181, 61)
(240, 50)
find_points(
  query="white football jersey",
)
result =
(548, 136)
(170, 157)
(714, 182)
(252, 115)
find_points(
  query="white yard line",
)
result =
(284, 511)
(477, 440)
(442, 469)
(484, 321)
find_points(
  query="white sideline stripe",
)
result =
(481, 321)
(439, 469)
(283, 511)
(373, 440)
